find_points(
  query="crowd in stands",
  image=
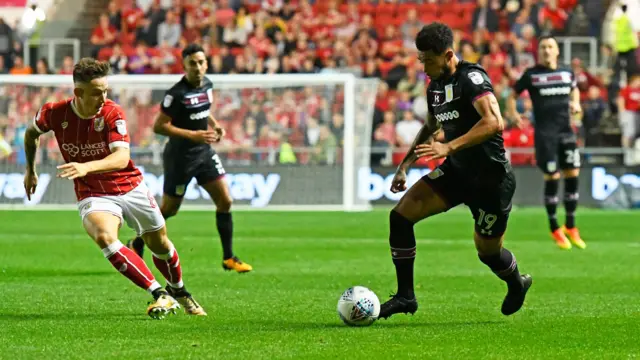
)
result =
(368, 38)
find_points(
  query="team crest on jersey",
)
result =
(121, 127)
(98, 124)
(476, 77)
(64, 125)
(168, 99)
(448, 93)
(210, 95)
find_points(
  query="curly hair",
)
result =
(435, 37)
(88, 69)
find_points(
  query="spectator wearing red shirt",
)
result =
(584, 79)
(260, 42)
(552, 17)
(103, 35)
(629, 116)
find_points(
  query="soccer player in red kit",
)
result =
(91, 131)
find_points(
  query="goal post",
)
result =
(294, 141)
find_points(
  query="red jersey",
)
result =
(631, 98)
(83, 140)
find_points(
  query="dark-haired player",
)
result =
(91, 131)
(475, 172)
(185, 118)
(555, 97)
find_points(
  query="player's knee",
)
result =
(571, 173)
(104, 238)
(487, 245)
(168, 211)
(552, 176)
(223, 204)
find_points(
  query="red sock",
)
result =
(129, 264)
(169, 266)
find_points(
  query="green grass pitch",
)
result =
(62, 300)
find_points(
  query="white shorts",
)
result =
(629, 123)
(138, 207)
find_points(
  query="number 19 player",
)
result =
(555, 97)
(185, 117)
(475, 172)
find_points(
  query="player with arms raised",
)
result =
(91, 131)
(555, 97)
(475, 172)
(185, 118)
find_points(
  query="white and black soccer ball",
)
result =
(358, 306)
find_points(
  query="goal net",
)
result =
(293, 141)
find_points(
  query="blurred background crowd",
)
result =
(371, 39)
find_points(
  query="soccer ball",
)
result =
(358, 306)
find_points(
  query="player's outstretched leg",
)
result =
(503, 263)
(166, 260)
(570, 205)
(219, 192)
(418, 203)
(551, 203)
(103, 229)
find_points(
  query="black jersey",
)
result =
(189, 108)
(550, 92)
(450, 101)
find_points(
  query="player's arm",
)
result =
(520, 85)
(31, 143)
(428, 133)
(574, 105)
(39, 126)
(489, 125)
(216, 127)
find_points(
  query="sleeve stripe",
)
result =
(116, 144)
(480, 96)
(35, 125)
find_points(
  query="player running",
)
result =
(185, 117)
(476, 172)
(555, 96)
(91, 131)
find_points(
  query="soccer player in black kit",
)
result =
(185, 117)
(555, 97)
(475, 172)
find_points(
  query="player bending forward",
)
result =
(185, 117)
(92, 135)
(554, 95)
(475, 172)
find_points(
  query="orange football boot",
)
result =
(574, 235)
(235, 264)
(561, 239)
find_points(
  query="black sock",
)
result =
(570, 200)
(504, 265)
(159, 292)
(138, 243)
(224, 222)
(403, 252)
(551, 202)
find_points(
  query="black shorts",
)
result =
(488, 197)
(180, 169)
(555, 153)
